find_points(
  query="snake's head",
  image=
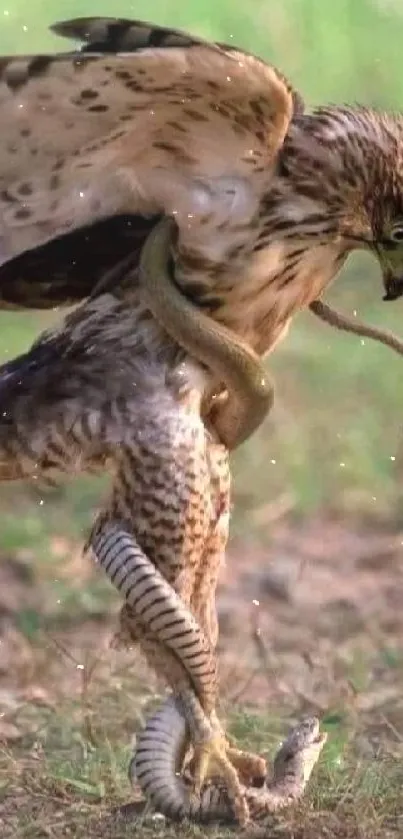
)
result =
(300, 752)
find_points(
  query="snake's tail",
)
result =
(347, 324)
(156, 605)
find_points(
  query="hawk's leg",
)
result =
(175, 646)
(159, 756)
(210, 756)
(214, 753)
(214, 758)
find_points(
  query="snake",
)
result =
(161, 747)
(250, 389)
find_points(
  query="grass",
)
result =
(334, 436)
(70, 705)
(58, 783)
(68, 774)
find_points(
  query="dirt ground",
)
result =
(311, 623)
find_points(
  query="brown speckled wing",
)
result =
(86, 134)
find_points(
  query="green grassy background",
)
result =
(334, 440)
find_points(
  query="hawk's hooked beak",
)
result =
(391, 261)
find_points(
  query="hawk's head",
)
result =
(350, 160)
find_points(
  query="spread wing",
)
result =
(120, 130)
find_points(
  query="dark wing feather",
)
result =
(108, 34)
(67, 269)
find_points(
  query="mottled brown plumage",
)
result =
(269, 199)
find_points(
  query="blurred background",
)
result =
(313, 585)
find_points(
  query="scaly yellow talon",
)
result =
(212, 758)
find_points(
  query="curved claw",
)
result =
(212, 759)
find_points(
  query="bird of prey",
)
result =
(142, 121)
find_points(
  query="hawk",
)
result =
(143, 121)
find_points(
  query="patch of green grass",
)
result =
(65, 782)
(80, 704)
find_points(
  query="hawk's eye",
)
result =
(396, 234)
